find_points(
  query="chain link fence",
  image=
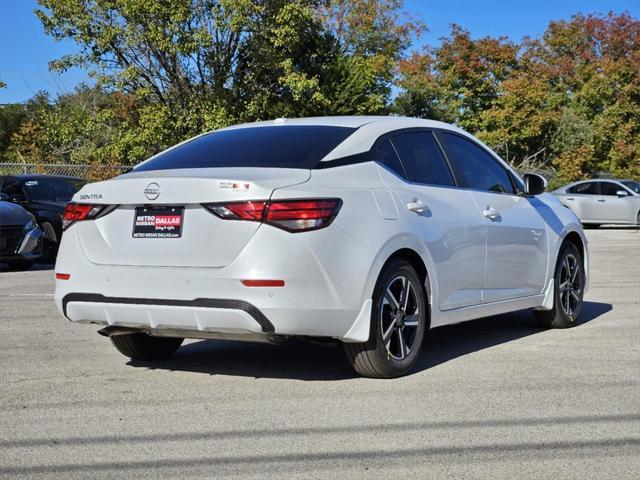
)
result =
(103, 172)
(88, 172)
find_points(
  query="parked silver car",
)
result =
(603, 201)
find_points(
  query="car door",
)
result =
(517, 243)
(613, 208)
(442, 215)
(583, 200)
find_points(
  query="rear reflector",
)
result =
(63, 276)
(76, 212)
(263, 283)
(291, 215)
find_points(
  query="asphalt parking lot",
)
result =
(497, 397)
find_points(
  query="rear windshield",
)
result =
(277, 147)
(52, 189)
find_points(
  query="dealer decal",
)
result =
(235, 186)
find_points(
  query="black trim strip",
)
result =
(257, 315)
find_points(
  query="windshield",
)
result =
(631, 185)
(51, 189)
(276, 147)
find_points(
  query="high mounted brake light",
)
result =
(300, 215)
(75, 212)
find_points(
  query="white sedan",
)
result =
(365, 230)
(597, 202)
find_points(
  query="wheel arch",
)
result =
(417, 261)
(580, 241)
(576, 239)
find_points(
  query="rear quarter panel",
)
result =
(370, 216)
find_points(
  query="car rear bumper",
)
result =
(319, 297)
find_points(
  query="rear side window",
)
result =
(589, 188)
(274, 146)
(384, 153)
(478, 167)
(634, 186)
(422, 159)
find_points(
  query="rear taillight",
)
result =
(76, 212)
(290, 215)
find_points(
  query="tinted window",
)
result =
(478, 167)
(277, 146)
(384, 153)
(422, 159)
(631, 185)
(11, 186)
(608, 188)
(588, 188)
(47, 189)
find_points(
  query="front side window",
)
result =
(478, 167)
(422, 159)
(587, 188)
(285, 146)
(384, 153)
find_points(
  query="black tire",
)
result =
(384, 357)
(567, 287)
(140, 346)
(20, 265)
(50, 244)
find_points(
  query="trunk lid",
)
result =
(206, 240)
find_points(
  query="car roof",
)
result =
(348, 121)
(368, 129)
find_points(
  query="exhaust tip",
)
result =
(112, 331)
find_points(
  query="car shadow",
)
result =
(616, 227)
(38, 266)
(309, 361)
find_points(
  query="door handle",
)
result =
(417, 207)
(570, 198)
(601, 200)
(491, 213)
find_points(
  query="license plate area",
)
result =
(158, 222)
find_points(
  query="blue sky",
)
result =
(25, 50)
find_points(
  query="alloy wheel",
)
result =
(399, 317)
(570, 285)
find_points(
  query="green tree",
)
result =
(195, 65)
(573, 94)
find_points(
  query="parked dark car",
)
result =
(20, 237)
(45, 196)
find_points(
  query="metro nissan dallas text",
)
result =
(367, 231)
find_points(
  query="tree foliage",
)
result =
(572, 94)
(165, 70)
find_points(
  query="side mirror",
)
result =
(4, 197)
(621, 193)
(534, 184)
